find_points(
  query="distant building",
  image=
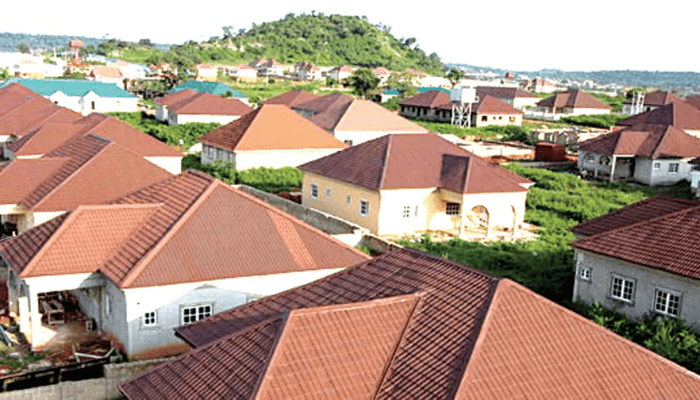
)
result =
(190, 106)
(206, 72)
(573, 102)
(678, 114)
(652, 101)
(216, 88)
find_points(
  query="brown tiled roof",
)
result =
(133, 139)
(30, 115)
(106, 72)
(660, 243)
(638, 212)
(471, 174)
(60, 115)
(45, 139)
(503, 92)
(693, 100)
(573, 98)
(324, 103)
(176, 97)
(18, 251)
(209, 104)
(487, 105)
(14, 95)
(653, 141)
(405, 161)
(468, 335)
(368, 116)
(19, 178)
(679, 114)
(271, 127)
(175, 245)
(429, 99)
(658, 99)
(292, 98)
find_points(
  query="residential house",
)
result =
(408, 325)
(391, 93)
(516, 97)
(340, 72)
(693, 100)
(206, 72)
(408, 184)
(272, 136)
(106, 74)
(437, 106)
(573, 102)
(272, 68)
(86, 170)
(425, 105)
(216, 88)
(678, 114)
(541, 85)
(244, 73)
(652, 101)
(292, 98)
(355, 121)
(81, 96)
(165, 256)
(189, 106)
(51, 136)
(638, 260)
(383, 74)
(307, 71)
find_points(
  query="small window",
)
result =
(589, 158)
(622, 289)
(328, 192)
(195, 313)
(150, 319)
(93, 105)
(348, 199)
(108, 304)
(667, 302)
(348, 142)
(511, 119)
(364, 208)
(314, 191)
(657, 165)
(407, 211)
(673, 168)
(452, 209)
(584, 273)
(500, 117)
(485, 118)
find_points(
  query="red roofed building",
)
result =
(340, 72)
(573, 102)
(403, 184)
(206, 72)
(436, 105)
(164, 256)
(244, 73)
(106, 74)
(407, 325)
(272, 136)
(652, 101)
(678, 114)
(191, 106)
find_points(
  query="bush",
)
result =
(605, 121)
(185, 135)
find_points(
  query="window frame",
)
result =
(669, 293)
(145, 319)
(198, 315)
(328, 192)
(452, 213)
(313, 191)
(366, 213)
(622, 288)
(674, 166)
(656, 165)
(585, 273)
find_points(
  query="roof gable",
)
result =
(368, 116)
(679, 114)
(209, 104)
(292, 98)
(653, 141)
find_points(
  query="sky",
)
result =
(509, 34)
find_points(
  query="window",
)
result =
(328, 192)
(657, 165)
(589, 158)
(93, 105)
(622, 289)
(210, 151)
(452, 209)
(407, 211)
(314, 191)
(150, 319)
(584, 273)
(667, 302)
(673, 168)
(500, 118)
(511, 119)
(485, 118)
(348, 142)
(348, 200)
(364, 208)
(195, 313)
(108, 304)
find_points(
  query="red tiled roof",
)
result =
(324, 103)
(99, 71)
(44, 140)
(176, 97)
(575, 99)
(292, 99)
(693, 100)
(381, 71)
(429, 99)
(410, 161)
(653, 141)
(503, 92)
(471, 174)
(132, 139)
(18, 251)
(679, 114)
(638, 212)
(658, 99)
(209, 104)
(368, 116)
(487, 105)
(19, 178)
(271, 127)
(660, 243)
(29, 115)
(60, 115)
(457, 333)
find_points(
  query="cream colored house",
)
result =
(573, 102)
(412, 183)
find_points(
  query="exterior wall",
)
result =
(585, 111)
(499, 120)
(662, 176)
(423, 205)
(278, 159)
(337, 203)
(644, 171)
(29, 219)
(522, 102)
(170, 164)
(598, 288)
(179, 119)
(209, 154)
(161, 112)
(428, 114)
(353, 138)
(91, 102)
(168, 302)
(500, 207)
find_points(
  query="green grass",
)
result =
(170, 134)
(604, 121)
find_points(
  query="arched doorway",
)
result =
(477, 220)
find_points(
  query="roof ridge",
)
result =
(254, 116)
(162, 241)
(346, 111)
(385, 162)
(271, 355)
(72, 215)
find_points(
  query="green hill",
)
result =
(318, 38)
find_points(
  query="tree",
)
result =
(363, 81)
(22, 47)
(403, 82)
(454, 76)
(145, 43)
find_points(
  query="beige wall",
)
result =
(498, 119)
(421, 205)
(180, 119)
(170, 164)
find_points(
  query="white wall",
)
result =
(585, 111)
(361, 137)
(161, 112)
(179, 119)
(170, 164)
(278, 159)
(101, 104)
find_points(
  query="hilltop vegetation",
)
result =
(9, 41)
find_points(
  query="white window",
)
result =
(314, 191)
(584, 273)
(328, 192)
(150, 319)
(667, 302)
(364, 208)
(407, 211)
(622, 288)
(195, 313)
(673, 168)
(452, 209)
(657, 165)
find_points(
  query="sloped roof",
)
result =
(679, 114)
(100, 71)
(638, 212)
(658, 98)
(44, 139)
(292, 98)
(429, 99)
(23, 125)
(216, 88)
(176, 97)
(575, 99)
(271, 127)
(209, 104)
(132, 139)
(20, 177)
(368, 116)
(653, 141)
(421, 89)
(660, 243)
(693, 100)
(412, 161)
(14, 95)
(468, 335)
(503, 92)
(487, 105)
(324, 103)
(71, 87)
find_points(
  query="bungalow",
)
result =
(292, 98)
(573, 102)
(650, 154)
(272, 136)
(425, 106)
(307, 71)
(85, 170)
(437, 106)
(678, 114)
(81, 96)
(408, 325)
(216, 88)
(206, 72)
(640, 260)
(391, 93)
(407, 184)
(106, 75)
(165, 256)
(244, 73)
(189, 106)
(652, 101)
(355, 121)
(517, 98)
(340, 72)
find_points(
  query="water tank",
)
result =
(463, 95)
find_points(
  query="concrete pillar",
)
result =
(461, 221)
(12, 298)
(24, 325)
(515, 221)
(35, 320)
(612, 169)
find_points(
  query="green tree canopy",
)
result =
(363, 81)
(23, 47)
